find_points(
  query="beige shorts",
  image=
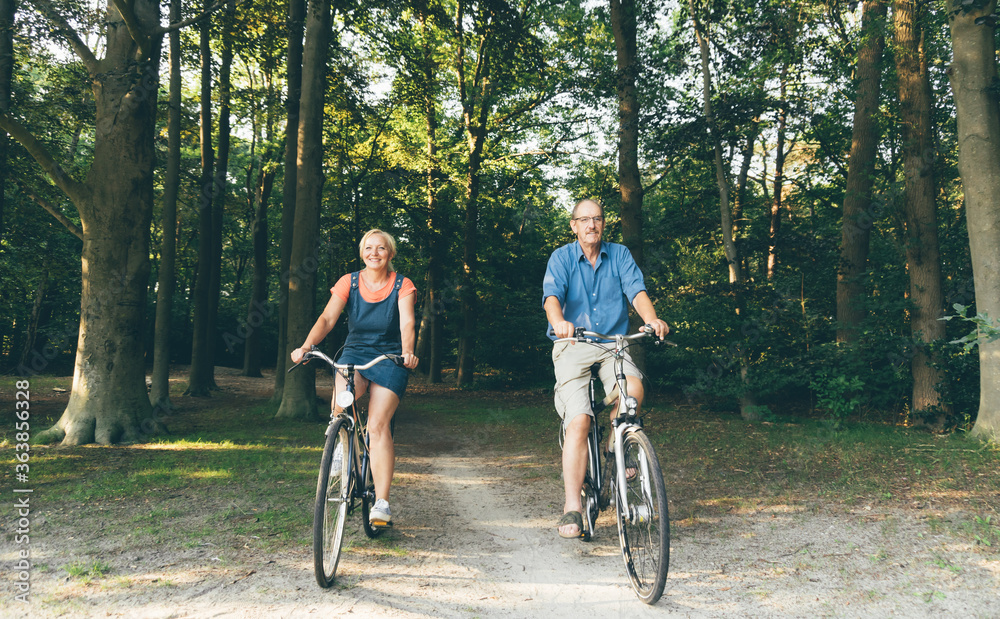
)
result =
(572, 365)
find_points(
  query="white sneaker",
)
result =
(380, 514)
(338, 458)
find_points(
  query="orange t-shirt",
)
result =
(343, 288)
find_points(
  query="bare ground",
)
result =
(472, 539)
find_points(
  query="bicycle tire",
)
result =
(588, 493)
(332, 498)
(644, 522)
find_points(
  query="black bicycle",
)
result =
(631, 474)
(345, 476)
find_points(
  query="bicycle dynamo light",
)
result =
(631, 403)
(345, 398)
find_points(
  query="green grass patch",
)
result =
(87, 570)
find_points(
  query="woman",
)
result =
(380, 319)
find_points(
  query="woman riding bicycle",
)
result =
(380, 319)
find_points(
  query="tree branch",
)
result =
(192, 20)
(74, 189)
(54, 211)
(139, 34)
(62, 26)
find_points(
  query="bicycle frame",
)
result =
(358, 454)
(627, 407)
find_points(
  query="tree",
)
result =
(973, 75)
(298, 398)
(159, 392)
(858, 201)
(923, 258)
(200, 374)
(432, 338)
(108, 402)
(7, 10)
(623, 24)
(501, 54)
(293, 79)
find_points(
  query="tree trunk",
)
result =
(623, 25)
(159, 392)
(474, 120)
(973, 75)
(859, 211)
(200, 372)
(728, 242)
(748, 402)
(7, 10)
(433, 334)
(296, 21)
(220, 188)
(108, 402)
(467, 336)
(258, 310)
(923, 258)
(31, 335)
(298, 399)
(779, 177)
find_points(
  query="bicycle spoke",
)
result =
(643, 522)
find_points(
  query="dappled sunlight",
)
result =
(183, 445)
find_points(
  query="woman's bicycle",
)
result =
(345, 476)
(631, 474)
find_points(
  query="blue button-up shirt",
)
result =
(595, 298)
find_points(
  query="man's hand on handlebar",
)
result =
(564, 329)
(410, 360)
(659, 327)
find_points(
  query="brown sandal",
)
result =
(571, 518)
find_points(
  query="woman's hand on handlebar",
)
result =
(410, 360)
(298, 353)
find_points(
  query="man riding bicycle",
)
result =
(589, 283)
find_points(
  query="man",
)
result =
(589, 284)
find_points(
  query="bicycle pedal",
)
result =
(381, 524)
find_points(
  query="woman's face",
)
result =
(376, 252)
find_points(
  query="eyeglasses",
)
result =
(586, 220)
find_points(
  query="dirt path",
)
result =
(472, 542)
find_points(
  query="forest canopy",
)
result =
(800, 182)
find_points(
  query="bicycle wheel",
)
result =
(643, 522)
(367, 501)
(588, 494)
(332, 499)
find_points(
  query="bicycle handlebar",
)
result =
(316, 353)
(582, 335)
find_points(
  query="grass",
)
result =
(87, 570)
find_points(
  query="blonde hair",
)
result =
(391, 242)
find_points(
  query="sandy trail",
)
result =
(471, 540)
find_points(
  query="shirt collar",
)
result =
(578, 250)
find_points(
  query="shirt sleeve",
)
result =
(406, 288)
(556, 279)
(342, 288)
(631, 276)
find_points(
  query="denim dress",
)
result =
(373, 329)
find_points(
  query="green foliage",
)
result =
(986, 329)
(838, 395)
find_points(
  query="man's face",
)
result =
(588, 230)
